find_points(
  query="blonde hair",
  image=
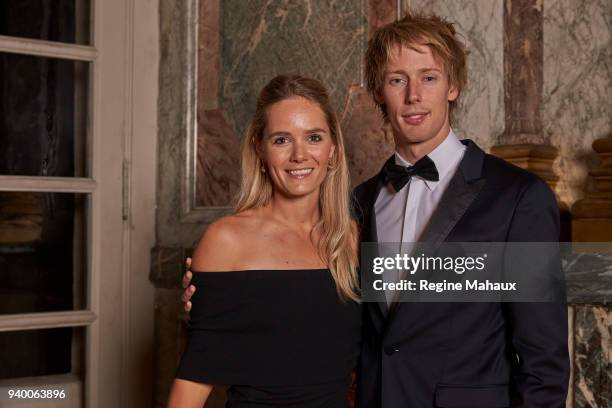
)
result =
(338, 240)
(412, 30)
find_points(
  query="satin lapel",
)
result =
(379, 309)
(454, 203)
(459, 195)
(382, 300)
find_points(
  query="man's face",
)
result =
(416, 94)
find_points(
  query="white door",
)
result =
(78, 87)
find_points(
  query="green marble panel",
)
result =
(264, 38)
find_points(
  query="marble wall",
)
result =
(577, 100)
(369, 140)
(258, 39)
(262, 39)
(588, 271)
(592, 356)
(255, 41)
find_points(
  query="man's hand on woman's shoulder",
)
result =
(189, 289)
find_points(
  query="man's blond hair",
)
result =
(411, 31)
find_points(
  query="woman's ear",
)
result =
(260, 156)
(331, 151)
(259, 149)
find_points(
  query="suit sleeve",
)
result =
(538, 331)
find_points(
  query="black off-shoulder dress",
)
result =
(277, 337)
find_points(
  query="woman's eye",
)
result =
(314, 138)
(279, 140)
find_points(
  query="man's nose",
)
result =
(413, 92)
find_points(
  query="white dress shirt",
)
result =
(402, 216)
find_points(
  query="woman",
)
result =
(276, 313)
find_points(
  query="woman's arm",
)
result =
(188, 394)
(210, 254)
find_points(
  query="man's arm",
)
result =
(538, 331)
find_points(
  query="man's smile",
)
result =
(415, 118)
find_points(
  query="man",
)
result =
(450, 354)
(462, 354)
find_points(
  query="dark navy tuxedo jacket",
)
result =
(472, 355)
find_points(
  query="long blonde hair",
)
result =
(338, 239)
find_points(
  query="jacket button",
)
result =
(391, 349)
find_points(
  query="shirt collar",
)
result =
(445, 156)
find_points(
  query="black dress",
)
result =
(277, 337)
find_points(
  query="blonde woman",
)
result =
(276, 314)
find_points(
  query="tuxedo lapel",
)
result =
(459, 195)
(383, 307)
(367, 214)
(455, 201)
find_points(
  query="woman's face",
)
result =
(296, 147)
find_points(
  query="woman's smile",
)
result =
(300, 173)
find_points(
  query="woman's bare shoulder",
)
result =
(221, 244)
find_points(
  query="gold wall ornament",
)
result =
(592, 215)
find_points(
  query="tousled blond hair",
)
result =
(410, 31)
(337, 243)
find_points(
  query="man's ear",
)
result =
(378, 98)
(453, 93)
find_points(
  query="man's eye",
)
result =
(314, 137)
(430, 78)
(396, 81)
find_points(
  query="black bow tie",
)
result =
(399, 176)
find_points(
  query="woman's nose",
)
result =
(298, 153)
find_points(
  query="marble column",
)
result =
(523, 141)
(577, 108)
(523, 60)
